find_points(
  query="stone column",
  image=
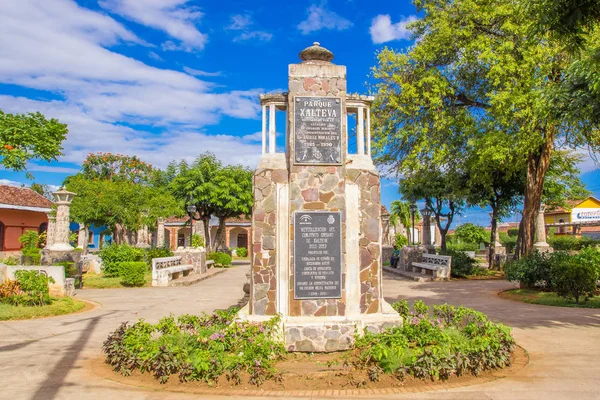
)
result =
(426, 213)
(540, 231)
(142, 238)
(61, 229)
(50, 233)
(160, 233)
(82, 238)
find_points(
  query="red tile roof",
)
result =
(24, 197)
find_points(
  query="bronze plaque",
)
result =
(318, 130)
(317, 255)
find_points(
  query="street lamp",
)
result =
(191, 210)
(413, 210)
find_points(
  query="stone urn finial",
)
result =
(316, 53)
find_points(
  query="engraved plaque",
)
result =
(318, 130)
(317, 255)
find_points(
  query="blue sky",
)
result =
(170, 79)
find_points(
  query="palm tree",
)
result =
(400, 213)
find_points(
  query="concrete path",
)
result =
(46, 358)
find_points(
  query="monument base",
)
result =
(543, 247)
(50, 257)
(328, 333)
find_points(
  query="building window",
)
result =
(1, 236)
(43, 227)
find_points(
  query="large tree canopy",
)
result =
(24, 137)
(473, 77)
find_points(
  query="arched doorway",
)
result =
(238, 237)
(1, 236)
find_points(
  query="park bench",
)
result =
(165, 269)
(438, 265)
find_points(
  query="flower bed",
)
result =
(215, 349)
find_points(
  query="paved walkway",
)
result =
(46, 358)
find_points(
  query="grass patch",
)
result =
(61, 306)
(548, 298)
(99, 281)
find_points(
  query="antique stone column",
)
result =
(540, 231)
(50, 233)
(426, 214)
(82, 238)
(160, 233)
(142, 238)
(61, 229)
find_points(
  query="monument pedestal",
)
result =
(316, 221)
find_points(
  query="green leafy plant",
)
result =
(9, 261)
(241, 252)
(508, 241)
(30, 239)
(32, 255)
(531, 271)
(571, 277)
(471, 233)
(400, 241)
(462, 265)
(132, 273)
(197, 240)
(114, 254)
(455, 341)
(221, 260)
(30, 289)
(197, 348)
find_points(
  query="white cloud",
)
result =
(155, 56)
(319, 17)
(197, 72)
(8, 182)
(244, 23)
(174, 17)
(59, 48)
(382, 30)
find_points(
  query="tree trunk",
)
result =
(207, 241)
(493, 229)
(537, 165)
(220, 237)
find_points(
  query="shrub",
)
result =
(590, 255)
(156, 252)
(197, 240)
(197, 348)
(462, 246)
(9, 261)
(132, 273)
(571, 277)
(220, 259)
(563, 242)
(400, 240)
(531, 271)
(456, 341)
(462, 265)
(241, 252)
(30, 288)
(30, 239)
(471, 233)
(114, 254)
(32, 256)
(513, 232)
(508, 241)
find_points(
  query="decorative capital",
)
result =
(63, 196)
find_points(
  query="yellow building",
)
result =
(579, 213)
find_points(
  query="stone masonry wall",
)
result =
(264, 240)
(316, 187)
(369, 242)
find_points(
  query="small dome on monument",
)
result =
(316, 53)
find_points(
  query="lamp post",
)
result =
(191, 210)
(413, 210)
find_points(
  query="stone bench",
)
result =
(438, 265)
(165, 269)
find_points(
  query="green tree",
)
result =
(197, 182)
(474, 67)
(471, 233)
(42, 189)
(24, 137)
(232, 196)
(400, 213)
(442, 191)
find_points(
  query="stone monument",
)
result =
(58, 247)
(540, 233)
(316, 222)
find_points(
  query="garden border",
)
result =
(520, 361)
(90, 306)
